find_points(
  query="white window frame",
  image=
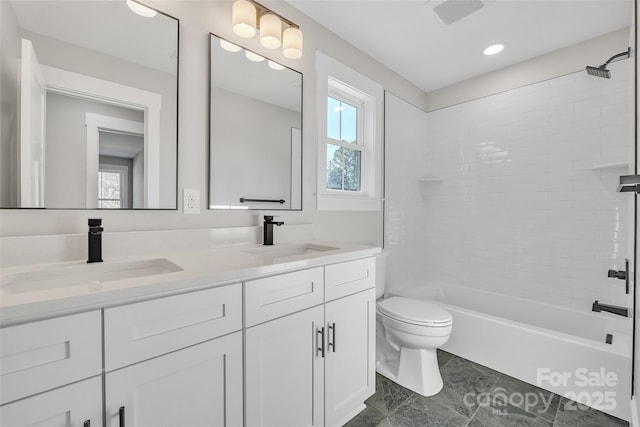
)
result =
(341, 82)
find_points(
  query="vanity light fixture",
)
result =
(141, 10)
(270, 31)
(494, 48)
(292, 43)
(244, 17)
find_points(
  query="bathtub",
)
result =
(558, 349)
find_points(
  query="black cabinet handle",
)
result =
(320, 348)
(87, 423)
(121, 415)
(332, 343)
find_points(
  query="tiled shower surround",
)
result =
(515, 192)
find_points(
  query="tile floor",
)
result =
(395, 406)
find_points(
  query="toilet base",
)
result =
(419, 371)
(415, 369)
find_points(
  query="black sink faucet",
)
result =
(268, 229)
(95, 240)
(620, 311)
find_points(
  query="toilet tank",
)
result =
(381, 272)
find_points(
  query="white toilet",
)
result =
(409, 331)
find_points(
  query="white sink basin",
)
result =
(289, 250)
(83, 274)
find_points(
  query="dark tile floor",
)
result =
(457, 404)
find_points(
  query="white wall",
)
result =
(250, 152)
(66, 153)
(197, 19)
(9, 94)
(518, 203)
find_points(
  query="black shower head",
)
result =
(602, 71)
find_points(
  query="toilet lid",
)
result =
(414, 311)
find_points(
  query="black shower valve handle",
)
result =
(622, 275)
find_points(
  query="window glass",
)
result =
(333, 119)
(342, 121)
(352, 159)
(109, 189)
(349, 123)
(334, 167)
(343, 168)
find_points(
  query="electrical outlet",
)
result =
(191, 202)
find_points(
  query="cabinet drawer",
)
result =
(349, 277)
(140, 331)
(39, 356)
(277, 296)
(77, 404)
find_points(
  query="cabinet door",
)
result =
(284, 371)
(350, 361)
(193, 387)
(70, 406)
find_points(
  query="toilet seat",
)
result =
(415, 312)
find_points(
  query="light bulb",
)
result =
(292, 43)
(243, 18)
(270, 31)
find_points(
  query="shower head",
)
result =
(602, 70)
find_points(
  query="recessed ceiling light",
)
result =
(494, 48)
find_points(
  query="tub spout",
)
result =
(620, 311)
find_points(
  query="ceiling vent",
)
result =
(453, 10)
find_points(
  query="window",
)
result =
(344, 149)
(349, 135)
(110, 189)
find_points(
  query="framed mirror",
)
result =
(255, 141)
(89, 105)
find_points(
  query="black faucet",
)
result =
(95, 240)
(268, 229)
(620, 311)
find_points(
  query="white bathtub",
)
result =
(558, 349)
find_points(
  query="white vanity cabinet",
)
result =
(175, 361)
(310, 363)
(50, 372)
(295, 349)
(350, 356)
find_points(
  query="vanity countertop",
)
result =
(200, 269)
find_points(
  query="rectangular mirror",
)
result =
(89, 105)
(255, 141)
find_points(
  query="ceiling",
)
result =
(408, 36)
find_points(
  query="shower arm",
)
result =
(619, 55)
